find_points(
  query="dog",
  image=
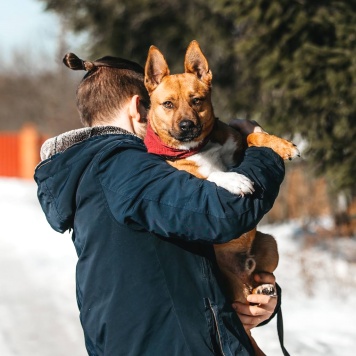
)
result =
(183, 129)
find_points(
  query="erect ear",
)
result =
(156, 69)
(196, 63)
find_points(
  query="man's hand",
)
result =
(262, 306)
(245, 126)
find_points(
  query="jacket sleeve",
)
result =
(145, 192)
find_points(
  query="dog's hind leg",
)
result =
(265, 252)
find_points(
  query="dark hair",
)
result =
(108, 85)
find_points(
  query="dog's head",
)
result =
(181, 111)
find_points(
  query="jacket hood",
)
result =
(65, 159)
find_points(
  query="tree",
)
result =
(28, 94)
(300, 57)
(290, 64)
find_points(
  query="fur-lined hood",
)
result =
(62, 142)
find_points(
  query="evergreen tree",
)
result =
(300, 59)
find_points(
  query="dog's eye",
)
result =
(168, 105)
(197, 101)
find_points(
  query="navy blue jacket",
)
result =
(147, 281)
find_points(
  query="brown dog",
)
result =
(183, 129)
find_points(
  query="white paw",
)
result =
(233, 182)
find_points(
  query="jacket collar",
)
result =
(60, 143)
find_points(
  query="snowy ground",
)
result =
(38, 312)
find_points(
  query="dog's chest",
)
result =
(214, 157)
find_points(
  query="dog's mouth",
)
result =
(187, 131)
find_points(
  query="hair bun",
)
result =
(73, 62)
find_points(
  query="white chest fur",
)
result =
(213, 162)
(215, 157)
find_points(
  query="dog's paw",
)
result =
(267, 289)
(233, 182)
(286, 149)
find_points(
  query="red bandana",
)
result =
(156, 146)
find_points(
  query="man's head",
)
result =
(108, 86)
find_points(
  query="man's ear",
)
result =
(196, 63)
(156, 69)
(138, 117)
(134, 108)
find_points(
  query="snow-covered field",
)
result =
(39, 316)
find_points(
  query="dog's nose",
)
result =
(186, 125)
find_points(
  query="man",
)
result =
(147, 280)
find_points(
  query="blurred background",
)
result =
(289, 64)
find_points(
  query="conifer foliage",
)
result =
(301, 56)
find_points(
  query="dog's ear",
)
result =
(196, 63)
(156, 69)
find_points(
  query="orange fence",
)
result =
(20, 152)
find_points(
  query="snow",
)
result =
(318, 287)
(38, 310)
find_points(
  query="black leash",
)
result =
(280, 331)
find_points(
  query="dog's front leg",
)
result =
(233, 182)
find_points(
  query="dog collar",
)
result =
(156, 146)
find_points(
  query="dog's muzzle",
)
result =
(188, 131)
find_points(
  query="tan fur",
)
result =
(262, 139)
(186, 165)
(253, 252)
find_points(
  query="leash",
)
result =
(280, 331)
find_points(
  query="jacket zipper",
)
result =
(217, 327)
